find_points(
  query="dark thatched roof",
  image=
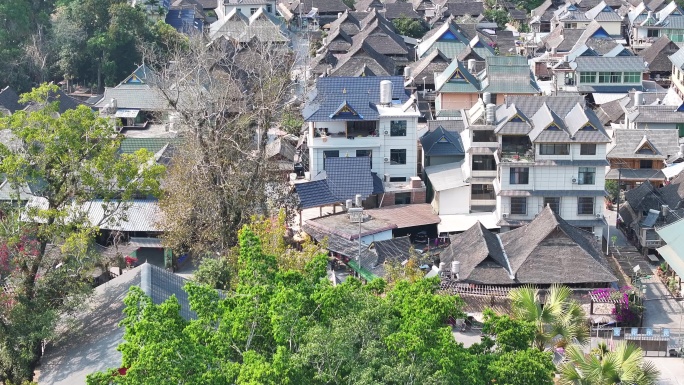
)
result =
(547, 250)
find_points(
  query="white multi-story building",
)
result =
(552, 152)
(246, 7)
(363, 116)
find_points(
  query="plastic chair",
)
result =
(635, 332)
(616, 332)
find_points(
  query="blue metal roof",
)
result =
(441, 142)
(314, 194)
(360, 94)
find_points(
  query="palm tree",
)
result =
(624, 365)
(559, 319)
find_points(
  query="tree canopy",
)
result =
(63, 164)
(283, 326)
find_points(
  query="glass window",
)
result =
(646, 163)
(585, 205)
(554, 203)
(587, 175)
(398, 128)
(653, 33)
(587, 77)
(269, 8)
(520, 175)
(398, 156)
(484, 136)
(484, 163)
(632, 77)
(482, 191)
(252, 11)
(610, 77)
(397, 179)
(554, 149)
(519, 205)
(588, 149)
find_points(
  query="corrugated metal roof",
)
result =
(138, 215)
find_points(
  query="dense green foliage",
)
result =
(289, 327)
(409, 27)
(558, 319)
(46, 258)
(92, 42)
(624, 365)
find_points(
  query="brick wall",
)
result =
(418, 196)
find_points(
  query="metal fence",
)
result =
(654, 341)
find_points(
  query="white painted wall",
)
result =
(245, 9)
(453, 201)
(612, 27)
(380, 145)
(381, 236)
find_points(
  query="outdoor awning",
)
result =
(126, 113)
(670, 256)
(462, 222)
(365, 273)
(146, 242)
(673, 171)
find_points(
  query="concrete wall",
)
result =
(452, 201)
(454, 101)
(381, 236)
(380, 145)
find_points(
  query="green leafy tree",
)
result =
(499, 16)
(68, 160)
(612, 189)
(624, 365)
(284, 326)
(558, 319)
(409, 27)
(510, 334)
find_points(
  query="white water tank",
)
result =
(471, 65)
(638, 98)
(407, 72)
(358, 200)
(348, 204)
(293, 176)
(487, 97)
(386, 92)
(442, 265)
(455, 269)
(490, 114)
(307, 175)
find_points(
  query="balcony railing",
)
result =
(516, 154)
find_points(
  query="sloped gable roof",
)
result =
(629, 142)
(9, 100)
(441, 142)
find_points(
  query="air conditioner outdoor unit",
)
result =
(574, 180)
(504, 215)
(386, 160)
(599, 216)
(386, 132)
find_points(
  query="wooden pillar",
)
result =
(334, 208)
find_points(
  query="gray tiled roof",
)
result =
(139, 97)
(349, 176)
(655, 114)
(450, 125)
(609, 89)
(602, 12)
(472, 8)
(360, 93)
(636, 174)
(441, 142)
(314, 194)
(69, 358)
(393, 250)
(434, 62)
(600, 63)
(399, 9)
(528, 253)
(657, 54)
(678, 58)
(665, 143)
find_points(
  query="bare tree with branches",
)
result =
(224, 98)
